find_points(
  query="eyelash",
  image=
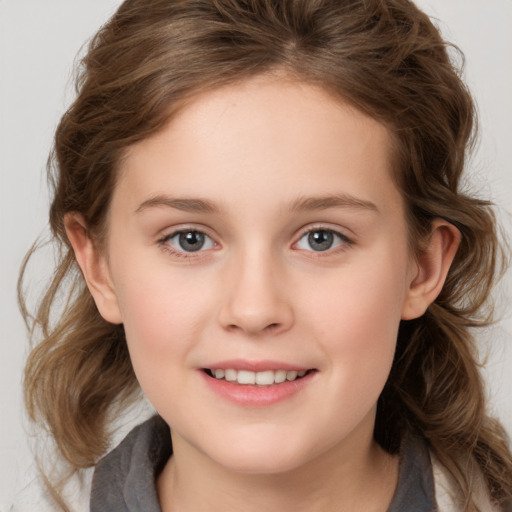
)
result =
(164, 243)
(343, 242)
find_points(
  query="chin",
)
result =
(258, 465)
(262, 457)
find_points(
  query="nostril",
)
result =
(269, 327)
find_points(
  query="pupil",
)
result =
(320, 240)
(191, 241)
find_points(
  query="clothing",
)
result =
(124, 481)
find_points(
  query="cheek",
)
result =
(162, 314)
(158, 302)
(357, 318)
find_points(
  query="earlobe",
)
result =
(432, 266)
(93, 265)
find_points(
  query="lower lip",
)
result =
(256, 396)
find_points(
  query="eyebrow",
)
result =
(299, 205)
(332, 201)
(184, 204)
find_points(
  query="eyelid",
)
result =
(346, 241)
(163, 241)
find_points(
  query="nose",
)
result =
(255, 300)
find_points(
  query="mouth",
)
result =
(263, 378)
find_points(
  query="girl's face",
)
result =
(260, 237)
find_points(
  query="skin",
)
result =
(262, 156)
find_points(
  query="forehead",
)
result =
(261, 138)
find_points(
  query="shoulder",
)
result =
(35, 496)
(130, 465)
(146, 446)
(126, 475)
(426, 485)
(446, 496)
(76, 493)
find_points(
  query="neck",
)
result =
(351, 479)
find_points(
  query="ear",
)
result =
(431, 269)
(93, 264)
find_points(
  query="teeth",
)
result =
(291, 375)
(265, 378)
(280, 376)
(245, 377)
(230, 375)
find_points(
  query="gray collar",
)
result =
(124, 480)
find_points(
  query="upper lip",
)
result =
(255, 366)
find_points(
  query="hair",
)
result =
(384, 57)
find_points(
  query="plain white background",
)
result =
(38, 43)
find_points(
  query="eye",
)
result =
(320, 240)
(189, 241)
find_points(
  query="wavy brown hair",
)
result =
(386, 58)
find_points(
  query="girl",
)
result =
(262, 198)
